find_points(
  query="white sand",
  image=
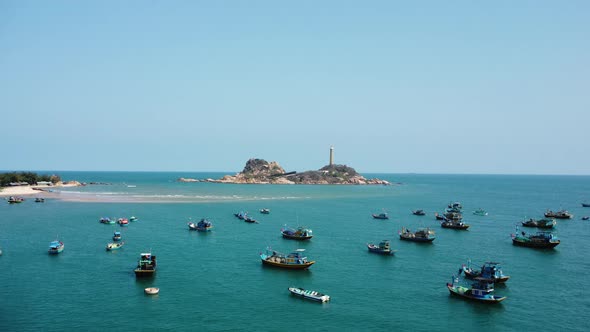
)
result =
(30, 190)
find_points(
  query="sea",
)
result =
(215, 281)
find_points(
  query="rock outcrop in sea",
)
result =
(262, 172)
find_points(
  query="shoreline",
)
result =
(29, 190)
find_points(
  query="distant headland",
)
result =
(259, 171)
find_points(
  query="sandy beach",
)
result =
(33, 190)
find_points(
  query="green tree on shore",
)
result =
(28, 177)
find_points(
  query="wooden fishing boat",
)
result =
(133, 218)
(15, 200)
(309, 294)
(146, 266)
(299, 233)
(294, 261)
(585, 218)
(542, 240)
(152, 290)
(55, 247)
(39, 200)
(106, 220)
(457, 216)
(585, 204)
(480, 291)
(439, 216)
(114, 246)
(264, 211)
(117, 236)
(418, 212)
(204, 225)
(421, 235)
(490, 272)
(248, 219)
(454, 224)
(123, 222)
(241, 215)
(541, 223)
(383, 248)
(563, 214)
(455, 205)
(380, 216)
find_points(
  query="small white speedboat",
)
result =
(152, 290)
(308, 294)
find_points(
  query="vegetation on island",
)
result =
(31, 178)
(261, 171)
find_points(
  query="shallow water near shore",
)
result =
(215, 281)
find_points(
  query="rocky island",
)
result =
(259, 171)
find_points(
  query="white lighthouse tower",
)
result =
(331, 155)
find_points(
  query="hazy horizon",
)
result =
(427, 88)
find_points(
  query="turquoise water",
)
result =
(215, 281)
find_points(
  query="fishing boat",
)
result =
(480, 291)
(309, 294)
(204, 225)
(455, 206)
(106, 220)
(563, 214)
(585, 218)
(123, 222)
(39, 200)
(421, 235)
(299, 233)
(241, 215)
(295, 260)
(264, 211)
(133, 218)
(114, 246)
(480, 212)
(438, 216)
(15, 200)
(585, 204)
(383, 248)
(117, 236)
(146, 266)
(454, 224)
(250, 220)
(450, 215)
(380, 216)
(541, 223)
(418, 212)
(55, 247)
(152, 290)
(544, 240)
(490, 272)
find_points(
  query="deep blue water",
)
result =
(215, 281)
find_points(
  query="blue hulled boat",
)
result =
(383, 248)
(55, 247)
(479, 291)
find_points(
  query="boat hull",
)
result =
(302, 266)
(144, 273)
(380, 251)
(380, 217)
(310, 295)
(461, 292)
(415, 239)
(470, 274)
(152, 291)
(538, 245)
(457, 227)
(295, 237)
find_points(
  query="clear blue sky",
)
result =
(396, 87)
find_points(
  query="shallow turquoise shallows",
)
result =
(215, 280)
